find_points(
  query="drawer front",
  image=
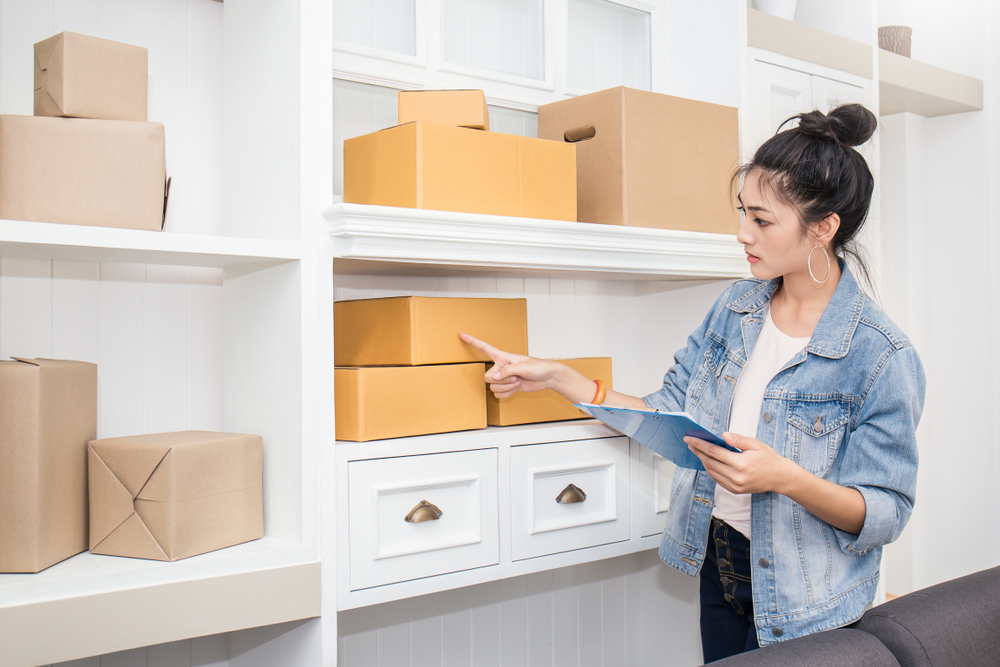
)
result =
(386, 547)
(656, 476)
(594, 473)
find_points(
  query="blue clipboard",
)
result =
(662, 432)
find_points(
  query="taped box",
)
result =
(421, 330)
(420, 165)
(380, 402)
(167, 496)
(456, 108)
(545, 406)
(649, 160)
(78, 171)
(88, 77)
(48, 414)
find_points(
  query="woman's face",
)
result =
(771, 232)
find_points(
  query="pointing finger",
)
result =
(484, 347)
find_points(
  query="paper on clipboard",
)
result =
(662, 432)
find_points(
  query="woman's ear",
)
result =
(827, 228)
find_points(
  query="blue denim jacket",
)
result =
(845, 408)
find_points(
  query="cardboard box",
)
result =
(48, 413)
(167, 496)
(88, 77)
(651, 160)
(399, 401)
(545, 406)
(420, 330)
(456, 108)
(78, 171)
(419, 165)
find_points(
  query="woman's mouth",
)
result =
(753, 259)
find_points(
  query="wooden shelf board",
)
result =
(803, 42)
(912, 86)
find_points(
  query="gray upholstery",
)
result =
(842, 647)
(953, 623)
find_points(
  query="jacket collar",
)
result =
(833, 333)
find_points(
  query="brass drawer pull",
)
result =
(571, 494)
(424, 511)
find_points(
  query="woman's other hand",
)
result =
(757, 468)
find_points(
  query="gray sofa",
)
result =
(952, 624)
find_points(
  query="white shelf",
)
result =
(90, 604)
(916, 87)
(387, 240)
(804, 42)
(42, 240)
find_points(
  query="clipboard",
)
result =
(662, 432)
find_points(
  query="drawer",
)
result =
(656, 475)
(599, 512)
(394, 535)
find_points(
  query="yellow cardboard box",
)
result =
(48, 414)
(398, 401)
(420, 165)
(649, 160)
(167, 496)
(421, 330)
(545, 406)
(457, 108)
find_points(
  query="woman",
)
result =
(806, 376)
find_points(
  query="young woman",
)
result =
(806, 376)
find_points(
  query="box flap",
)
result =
(132, 538)
(33, 362)
(48, 80)
(205, 463)
(131, 461)
(110, 502)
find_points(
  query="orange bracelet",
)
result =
(601, 393)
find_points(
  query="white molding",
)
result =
(442, 239)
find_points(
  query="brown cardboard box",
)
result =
(399, 401)
(79, 171)
(167, 496)
(457, 108)
(545, 406)
(419, 165)
(48, 413)
(652, 160)
(88, 77)
(421, 330)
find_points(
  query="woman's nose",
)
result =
(743, 235)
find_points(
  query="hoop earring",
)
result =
(809, 264)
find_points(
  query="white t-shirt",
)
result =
(771, 352)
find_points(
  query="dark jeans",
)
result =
(727, 626)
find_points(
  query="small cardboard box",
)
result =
(88, 77)
(421, 330)
(167, 496)
(419, 165)
(649, 160)
(48, 413)
(545, 406)
(457, 108)
(78, 171)
(400, 401)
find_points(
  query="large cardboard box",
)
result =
(419, 165)
(88, 77)
(48, 414)
(649, 160)
(79, 171)
(422, 330)
(545, 406)
(457, 108)
(399, 401)
(167, 496)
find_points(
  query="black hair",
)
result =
(814, 167)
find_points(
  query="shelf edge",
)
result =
(796, 40)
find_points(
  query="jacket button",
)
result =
(723, 562)
(763, 562)
(767, 417)
(777, 632)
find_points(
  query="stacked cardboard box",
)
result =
(87, 156)
(442, 156)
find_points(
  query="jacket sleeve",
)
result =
(881, 456)
(670, 397)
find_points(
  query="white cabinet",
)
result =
(655, 477)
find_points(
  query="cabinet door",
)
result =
(656, 476)
(776, 94)
(830, 93)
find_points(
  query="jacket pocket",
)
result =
(816, 428)
(704, 391)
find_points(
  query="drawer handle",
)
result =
(571, 494)
(424, 511)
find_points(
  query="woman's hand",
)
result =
(513, 372)
(756, 469)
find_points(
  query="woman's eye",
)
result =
(761, 223)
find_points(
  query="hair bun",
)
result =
(848, 124)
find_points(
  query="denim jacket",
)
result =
(845, 408)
